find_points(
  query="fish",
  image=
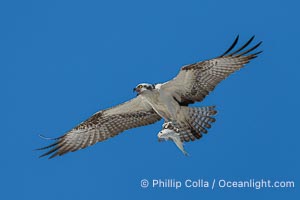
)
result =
(174, 135)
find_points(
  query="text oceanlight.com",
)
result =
(216, 183)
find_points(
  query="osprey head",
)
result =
(143, 87)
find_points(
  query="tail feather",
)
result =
(199, 120)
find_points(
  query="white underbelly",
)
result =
(165, 106)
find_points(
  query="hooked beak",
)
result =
(136, 90)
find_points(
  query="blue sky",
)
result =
(61, 61)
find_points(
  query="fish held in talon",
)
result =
(169, 134)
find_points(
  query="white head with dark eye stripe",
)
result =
(143, 87)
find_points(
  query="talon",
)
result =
(166, 125)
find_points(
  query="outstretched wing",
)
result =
(195, 81)
(103, 125)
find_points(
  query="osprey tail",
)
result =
(199, 120)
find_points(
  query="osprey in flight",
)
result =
(168, 101)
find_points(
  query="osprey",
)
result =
(168, 101)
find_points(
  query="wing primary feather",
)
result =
(51, 151)
(244, 46)
(251, 49)
(231, 47)
(47, 147)
(48, 138)
(63, 150)
(54, 155)
(257, 53)
(60, 153)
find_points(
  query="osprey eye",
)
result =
(140, 86)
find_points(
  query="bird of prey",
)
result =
(168, 101)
